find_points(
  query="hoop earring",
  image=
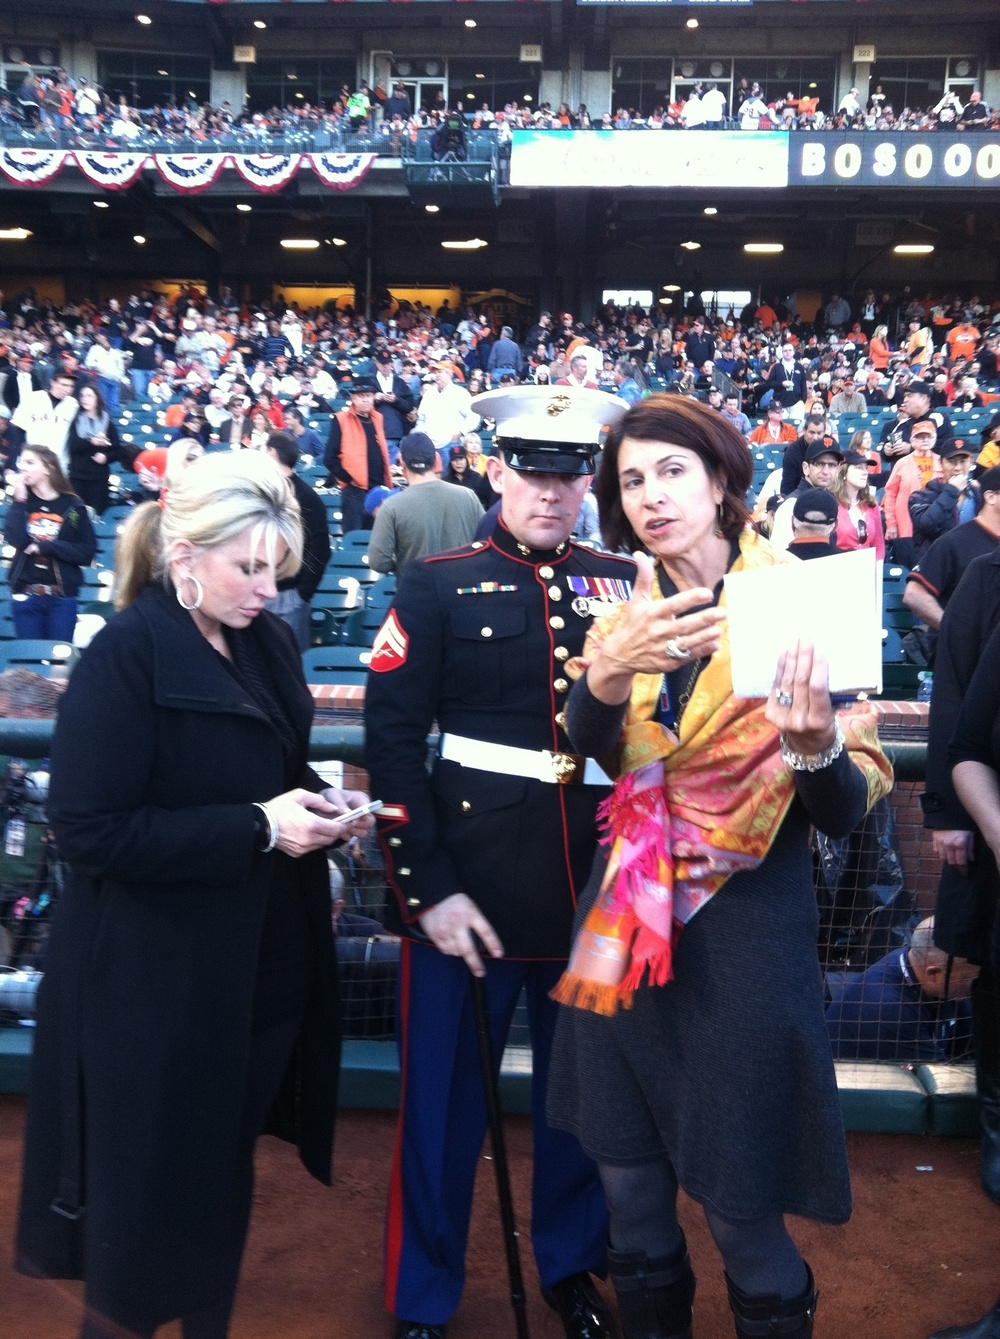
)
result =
(198, 597)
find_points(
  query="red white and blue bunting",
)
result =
(342, 171)
(188, 173)
(32, 167)
(267, 171)
(110, 171)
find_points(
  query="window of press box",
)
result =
(495, 82)
(920, 83)
(644, 83)
(297, 83)
(145, 80)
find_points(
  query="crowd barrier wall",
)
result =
(898, 1097)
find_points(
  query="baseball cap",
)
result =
(856, 458)
(952, 446)
(383, 356)
(376, 496)
(417, 453)
(815, 506)
(822, 448)
(363, 386)
(550, 429)
(919, 388)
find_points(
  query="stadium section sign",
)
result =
(713, 159)
(868, 158)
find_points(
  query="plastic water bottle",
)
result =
(926, 680)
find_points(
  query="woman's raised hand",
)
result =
(799, 703)
(657, 636)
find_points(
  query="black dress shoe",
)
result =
(987, 1328)
(413, 1329)
(581, 1308)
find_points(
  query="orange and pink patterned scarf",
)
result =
(687, 811)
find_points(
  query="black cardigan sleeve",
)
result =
(973, 737)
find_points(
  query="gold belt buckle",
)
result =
(567, 768)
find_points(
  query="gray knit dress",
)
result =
(726, 1071)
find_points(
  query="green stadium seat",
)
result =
(336, 664)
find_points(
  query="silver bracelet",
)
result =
(814, 762)
(272, 828)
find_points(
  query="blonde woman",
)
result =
(195, 922)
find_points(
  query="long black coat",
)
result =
(966, 903)
(144, 1022)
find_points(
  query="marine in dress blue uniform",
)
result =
(499, 834)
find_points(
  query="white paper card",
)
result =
(834, 602)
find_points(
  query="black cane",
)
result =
(495, 1119)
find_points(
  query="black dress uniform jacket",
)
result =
(481, 638)
(145, 1009)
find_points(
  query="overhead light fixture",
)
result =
(101, 204)
(433, 209)
(527, 98)
(191, 93)
(691, 23)
(691, 246)
(338, 241)
(473, 244)
(259, 23)
(471, 97)
(15, 234)
(291, 75)
(480, 76)
(710, 210)
(913, 249)
(138, 238)
(299, 243)
(813, 85)
(671, 288)
(666, 302)
(144, 19)
(164, 74)
(300, 95)
(470, 23)
(763, 248)
(244, 209)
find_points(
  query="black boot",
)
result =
(987, 1328)
(769, 1317)
(654, 1295)
(986, 1048)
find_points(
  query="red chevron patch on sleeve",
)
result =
(390, 648)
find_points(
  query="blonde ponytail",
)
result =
(136, 553)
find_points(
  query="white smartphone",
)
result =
(372, 807)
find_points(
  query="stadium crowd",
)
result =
(73, 113)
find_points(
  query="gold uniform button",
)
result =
(413, 901)
(557, 623)
(561, 653)
(555, 593)
(561, 720)
(395, 841)
(546, 573)
(466, 806)
(561, 686)
(486, 632)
